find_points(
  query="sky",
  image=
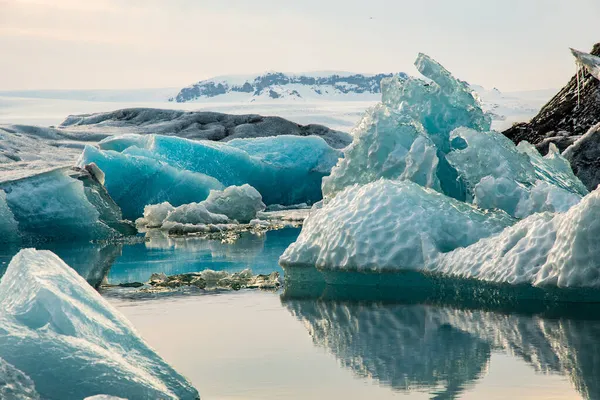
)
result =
(108, 44)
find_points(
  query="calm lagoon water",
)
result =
(319, 342)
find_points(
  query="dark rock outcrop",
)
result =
(584, 157)
(198, 125)
(567, 116)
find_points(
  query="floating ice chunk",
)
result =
(284, 169)
(240, 203)
(542, 250)
(63, 335)
(194, 214)
(62, 204)
(389, 225)
(154, 215)
(235, 204)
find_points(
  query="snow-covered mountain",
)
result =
(278, 85)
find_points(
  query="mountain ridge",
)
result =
(277, 85)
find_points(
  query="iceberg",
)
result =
(434, 234)
(389, 225)
(543, 250)
(234, 205)
(435, 133)
(59, 205)
(152, 169)
(240, 203)
(426, 187)
(58, 334)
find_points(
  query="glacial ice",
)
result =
(152, 169)
(240, 203)
(235, 204)
(60, 333)
(436, 134)
(545, 250)
(436, 234)
(389, 225)
(456, 216)
(61, 204)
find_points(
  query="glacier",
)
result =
(426, 187)
(62, 204)
(58, 336)
(153, 169)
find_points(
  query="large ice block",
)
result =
(70, 342)
(61, 204)
(389, 225)
(150, 169)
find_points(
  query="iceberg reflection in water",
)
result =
(446, 348)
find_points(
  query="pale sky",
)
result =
(110, 44)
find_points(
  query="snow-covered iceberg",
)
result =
(61, 204)
(152, 169)
(61, 340)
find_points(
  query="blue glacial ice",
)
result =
(436, 134)
(60, 204)
(152, 169)
(478, 207)
(58, 336)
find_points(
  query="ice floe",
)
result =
(62, 335)
(152, 169)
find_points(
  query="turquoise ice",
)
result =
(152, 169)
(70, 342)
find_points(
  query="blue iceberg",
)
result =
(426, 187)
(435, 133)
(61, 340)
(59, 205)
(152, 169)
